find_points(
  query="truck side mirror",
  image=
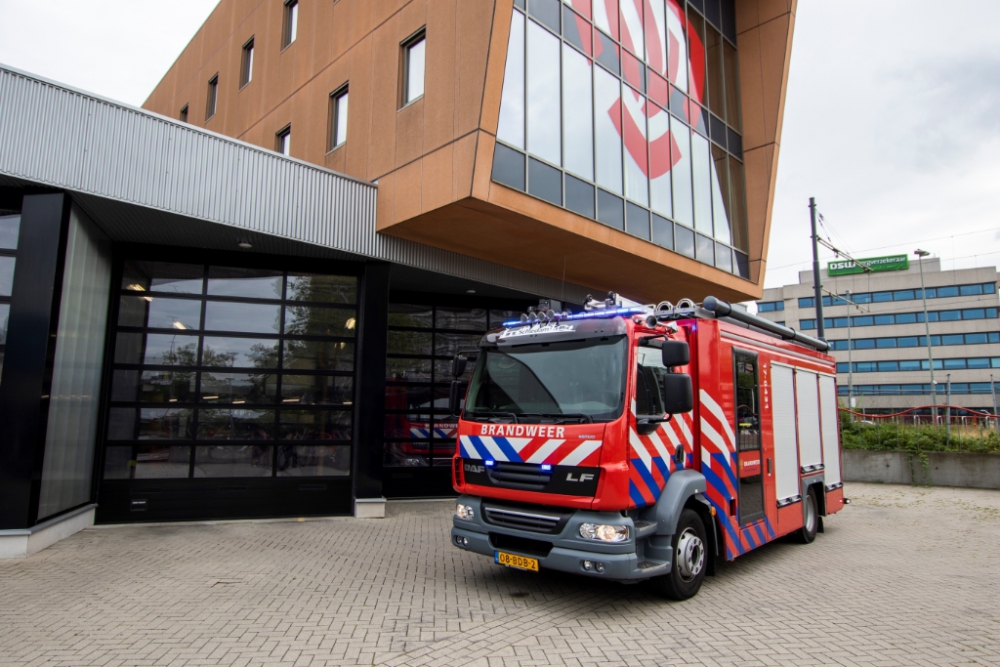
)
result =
(455, 398)
(458, 364)
(678, 393)
(675, 353)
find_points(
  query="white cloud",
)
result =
(114, 48)
(892, 122)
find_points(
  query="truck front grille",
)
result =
(549, 523)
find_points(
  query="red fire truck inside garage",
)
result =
(644, 443)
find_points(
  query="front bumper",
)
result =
(621, 562)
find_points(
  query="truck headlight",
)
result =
(603, 532)
(464, 512)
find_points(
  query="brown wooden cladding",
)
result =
(432, 158)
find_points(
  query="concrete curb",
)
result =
(966, 469)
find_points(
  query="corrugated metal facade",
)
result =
(113, 155)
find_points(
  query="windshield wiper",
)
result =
(562, 416)
(489, 415)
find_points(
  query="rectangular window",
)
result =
(973, 314)
(544, 111)
(291, 22)
(970, 290)
(903, 295)
(951, 339)
(978, 338)
(906, 318)
(907, 341)
(284, 141)
(807, 324)
(246, 73)
(864, 344)
(909, 365)
(887, 366)
(863, 321)
(213, 97)
(577, 113)
(511, 126)
(184, 114)
(945, 292)
(883, 343)
(947, 315)
(807, 302)
(338, 117)
(979, 362)
(864, 297)
(885, 319)
(413, 67)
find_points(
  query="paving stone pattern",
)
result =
(903, 576)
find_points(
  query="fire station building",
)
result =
(242, 300)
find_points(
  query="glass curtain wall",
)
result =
(627, 112)
(231, 372)
(10, 227)
(71, 433)
(423, 340)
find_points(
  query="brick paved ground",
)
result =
(904, 576)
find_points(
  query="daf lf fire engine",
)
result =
(643, 443)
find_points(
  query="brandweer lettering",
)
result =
(523, 430)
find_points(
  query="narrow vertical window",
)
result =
(284, 141)
(246, 73)
(213, 96)
(184, 114)
(291, 22)
(338, 117)
(511, 125)
(413, 67)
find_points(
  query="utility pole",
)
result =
(850, 364)
(927, 328)
(817, 287)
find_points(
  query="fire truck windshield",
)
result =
(581, 380)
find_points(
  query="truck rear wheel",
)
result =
(690, 558)
(810, 519)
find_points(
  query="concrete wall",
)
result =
(980, 471)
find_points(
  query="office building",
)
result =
(881, 343)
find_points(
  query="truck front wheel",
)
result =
(690, 557)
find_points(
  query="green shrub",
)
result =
(890, 436)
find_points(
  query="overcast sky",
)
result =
(892, 119)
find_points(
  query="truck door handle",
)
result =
(769, 466)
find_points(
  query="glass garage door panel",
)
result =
(231, 372)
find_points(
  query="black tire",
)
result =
(690, 559)
(810, 519)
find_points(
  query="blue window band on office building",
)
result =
(957, 388)
(598, 116)
(951, 291)
(979, 338)
(770, 306)
(960, 364)
(903, 318)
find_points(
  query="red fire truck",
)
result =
(643, 443)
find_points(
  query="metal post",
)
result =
(996, 417)
(947, 410)
(817, 287)
(927, 328)
(850, 364)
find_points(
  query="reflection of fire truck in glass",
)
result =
(421, 439)
(644, 443)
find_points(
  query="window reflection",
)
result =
(159, 313)
(408, 370)
(414, 317)
(321, 288)
(240, 352)
(239, 388)
(165, 423)
(313, 461)
(316, 390)
(235, 424)
(310, 355)
(244, 317)
(6, 275)
(409, 342)
(249, 283)
(511, 126)
(315, 425)
(168, 350)
(147, 462)
(320, 321)
(4, 322)
(233, 461)
(138, 276)
(543, 94)
(578, 114)
(10, 227)
(153, 386)
(448, 344)
(461, 318)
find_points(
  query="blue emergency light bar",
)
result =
(588, 315)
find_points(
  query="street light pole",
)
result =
(817, 285)
(927, 328)
(850, 364)
(996, 417)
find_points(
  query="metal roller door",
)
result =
(786, 462)
(831, 442)
(807, 401)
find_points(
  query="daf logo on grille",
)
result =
(473, 468)
(585, 477)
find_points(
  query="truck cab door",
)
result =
(749, 454)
